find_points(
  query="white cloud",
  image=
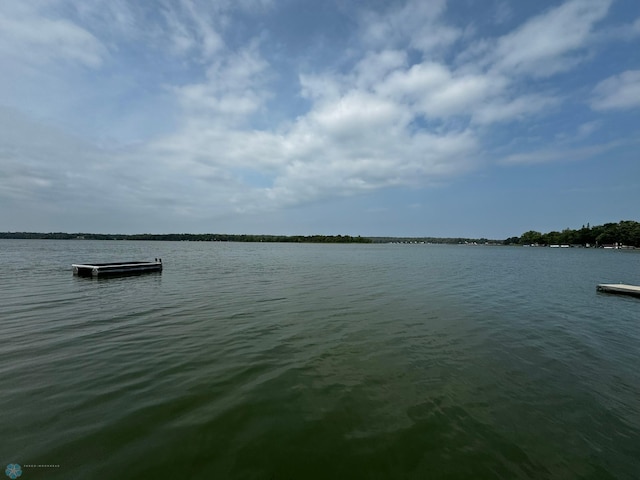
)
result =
(54, 172)
(316, 87)
(550, 42)
(434, 38)
(38, 162)
(374, 67)
(396, 159)
(182, 41)
(417, 22)
(232, 89)
(358, 142)
(355, 114)
(358, 134)
(517, 108)
(618, 92)
(397, 113)
(209, 39)
(431, 89)
(116, 18)
(37, 39)
(558, 154)
(460, 95)
(198, 27)
(416, 81)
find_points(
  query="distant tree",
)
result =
(551, 238)
(568, 236)
(584, 236)
(531, 237)
(625, 232)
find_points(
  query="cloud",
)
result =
(347, 168)
(619, 92)
(231, 91)
(548, 43)
(56, 173)
(198, 27)
(437, 92)
(587, 128)
(206, 35)
(503, 13)
(355, 143)
(412, 100)
(518, 108)
(354, 115)
(624, 32)
(360, 132)
(41, 164)
(40, 39)
(417, 23)
(549, 155)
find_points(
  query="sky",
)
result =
(461, 118)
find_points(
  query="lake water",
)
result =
(292, 361)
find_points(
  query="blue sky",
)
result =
(474, 118)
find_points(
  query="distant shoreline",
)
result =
(188, 237)
(217, 237)
(624, 234)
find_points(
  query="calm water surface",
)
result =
(279, 361)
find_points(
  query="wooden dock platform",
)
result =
(619, 288)
(116, 268)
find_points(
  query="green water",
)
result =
(280, 361)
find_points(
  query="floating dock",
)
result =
(116, 268)
(619, 288)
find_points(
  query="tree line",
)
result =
(438, 240)
(218, 237)
(191, 237)
(625, 232)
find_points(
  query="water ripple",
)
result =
(315, 361)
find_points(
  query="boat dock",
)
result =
(116, 268)
(619, 288)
